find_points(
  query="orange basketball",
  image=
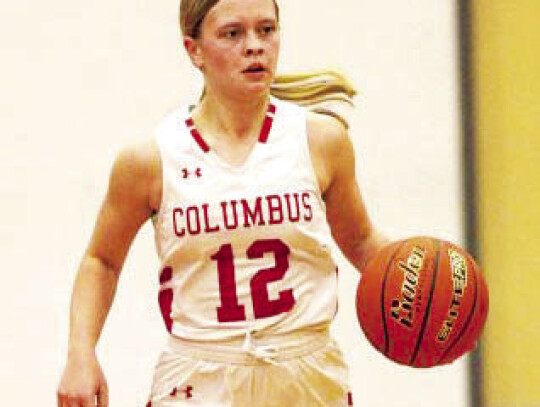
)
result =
(422, 302)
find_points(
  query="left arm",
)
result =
(333, 159)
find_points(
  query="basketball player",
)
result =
(245, 192)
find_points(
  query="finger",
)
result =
(103, 395)
(89, 401)
(64, 400)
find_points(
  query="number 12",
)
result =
(230, 310)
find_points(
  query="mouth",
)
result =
(255, 68)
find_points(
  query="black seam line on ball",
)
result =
(428, 308)
(383, 290)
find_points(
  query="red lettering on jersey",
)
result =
(253, 215)
(293, 218)
(207, 227)
(307, 206)
(193, 220)
(198, 218)
(178, 212)
(263, 307)
(275, 209)
(226, 216)
(229, 310)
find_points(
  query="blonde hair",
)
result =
(193, 12)
(324, 91)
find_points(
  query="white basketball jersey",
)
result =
(243, 247)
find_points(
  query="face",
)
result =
(238, 46)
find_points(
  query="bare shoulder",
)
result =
(136, 172)
(139, 158)
(330, 146)
(128, 202)
(326, 131)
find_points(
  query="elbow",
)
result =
(101, 265)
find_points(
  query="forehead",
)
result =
(226, 11)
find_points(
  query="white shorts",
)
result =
(309, 372)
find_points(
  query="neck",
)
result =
(240, 119)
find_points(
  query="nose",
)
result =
(253, 44)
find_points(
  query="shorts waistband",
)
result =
(248, 351)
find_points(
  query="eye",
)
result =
(231, 33)
(267, 29)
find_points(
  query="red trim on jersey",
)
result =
(196, 135)
(263, 135)
(265, 131)
(166, 275)
(165, 299)
(267, 124)
(200, 141)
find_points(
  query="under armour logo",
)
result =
(186, 391)
(186, 173)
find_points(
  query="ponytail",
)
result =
(325, 91)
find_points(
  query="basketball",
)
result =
(422, 302)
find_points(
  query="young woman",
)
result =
(245, 192)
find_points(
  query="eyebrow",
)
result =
(236, 23)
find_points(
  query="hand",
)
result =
(83, 383)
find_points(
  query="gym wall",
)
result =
(506, 98)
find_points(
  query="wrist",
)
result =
(81, 349)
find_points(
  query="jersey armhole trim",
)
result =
(157, 216)
(307, 153)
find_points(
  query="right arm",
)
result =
(134, 192)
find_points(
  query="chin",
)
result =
(255, 90)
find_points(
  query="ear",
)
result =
(193, 49)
